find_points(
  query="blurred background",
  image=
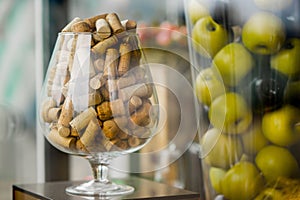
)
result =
(28, 30)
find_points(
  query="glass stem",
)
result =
(100, 171)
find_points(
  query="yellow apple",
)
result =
(263, 33)
(230, 113)
(275, 162)
(220, 150)
(215, 176)
(242, 182)
(233, 62)
(281, 126)
(287, 60)
(209, 37)
(208, 86)
(253, 139)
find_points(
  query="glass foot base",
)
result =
(94, 188)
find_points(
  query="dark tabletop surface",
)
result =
(144, 189)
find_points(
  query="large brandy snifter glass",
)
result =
(99, 102)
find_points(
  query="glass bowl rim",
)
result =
(129, 32)
(75, 33)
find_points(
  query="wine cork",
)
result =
(126, 81)
(141, 116)
(134, 104)
(66, 113)
(135, 56)
(121, 144)
(66, 142)
(105, 94)
(55, 92)
(103, 28)
(142, 90)
(117, 107)
(123, 135)
(54, 114)
(74, 133)
(46, 106)
(125, 55)
(58, 80)
(64, 131)
(71, 46)
(115, 23)
(121, 121)
(71, 60)
(64, 55)
(91, 99)
(81, 147)
(126, 93)
(134, 141)
(95, 82)
(65, 89)
(110, 129)
(129, 24)
(111, 85)
(104, 111)
(111, 63)
(92, 20)
(102, 46)
(62, 67)
(90, 133)
(80, 26)
(96, 38)
(67, 28)
(99, 65)
(82, 120)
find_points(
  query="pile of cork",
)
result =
(98, 94)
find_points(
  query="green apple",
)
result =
(233, 62)
(209, 37)
(197, 9)
(220, 150)
(230, 113)
(215, 176)
(273, 5)
(208, 86)
(253, 139)
(263, 33)
(281, 126)
(287, 60)
(242, 182)
(274, 162)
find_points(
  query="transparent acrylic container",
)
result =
(245, 60)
